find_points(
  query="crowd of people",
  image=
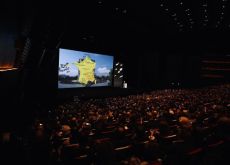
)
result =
(171, 126)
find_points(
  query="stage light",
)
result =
(7, 69)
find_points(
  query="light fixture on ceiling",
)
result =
(124, 11)
(173, 15)
(205, 5)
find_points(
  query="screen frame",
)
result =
(86, 51)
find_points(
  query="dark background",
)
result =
(157, 50)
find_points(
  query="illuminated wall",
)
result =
(8, 34)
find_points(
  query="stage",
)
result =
(96, 92)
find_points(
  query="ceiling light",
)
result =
(125, 11)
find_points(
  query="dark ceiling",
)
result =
(125, 24)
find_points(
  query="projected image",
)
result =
(83, 69)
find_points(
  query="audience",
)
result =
(159, 127)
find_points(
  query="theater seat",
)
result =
(123, 152)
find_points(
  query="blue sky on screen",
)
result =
(103, 62)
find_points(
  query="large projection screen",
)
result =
(83, 69)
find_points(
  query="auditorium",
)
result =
(115, 82)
